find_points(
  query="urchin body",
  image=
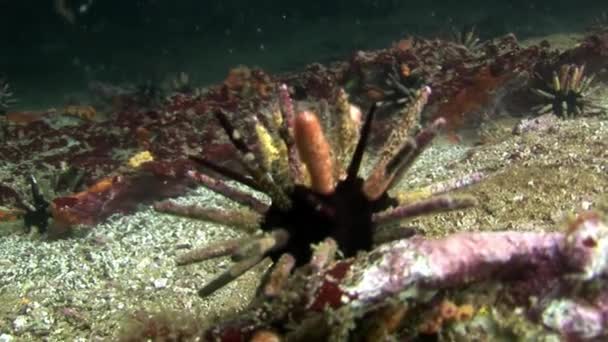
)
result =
(346, 217)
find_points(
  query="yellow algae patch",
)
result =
(140, 158)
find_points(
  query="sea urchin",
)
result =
(315, 195)
(6, 96)
(569, 93)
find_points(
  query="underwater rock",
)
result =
(542, 123)
(413, 271)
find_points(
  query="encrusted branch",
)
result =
(579, 254)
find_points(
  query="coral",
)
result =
(320, 199)
(569, 93)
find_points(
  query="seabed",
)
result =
(91, 286)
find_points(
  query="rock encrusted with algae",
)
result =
(412, 272)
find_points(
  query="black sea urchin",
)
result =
(569, 93)
(467, 36)
(314, 198)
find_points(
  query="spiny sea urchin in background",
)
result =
(316, 193)
(6, 96)
(599, 23)
(403, 84)
(569, 93)
(467, 36)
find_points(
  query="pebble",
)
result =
(161, 283)
(543, 123)
(6, 338)
(20, 323)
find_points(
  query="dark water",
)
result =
(51, 50)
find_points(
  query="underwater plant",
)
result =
(569, 93)
(313, 198)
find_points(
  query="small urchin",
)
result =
(569, 93)
(7, 98)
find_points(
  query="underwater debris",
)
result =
(569, 93)
(319, 199)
